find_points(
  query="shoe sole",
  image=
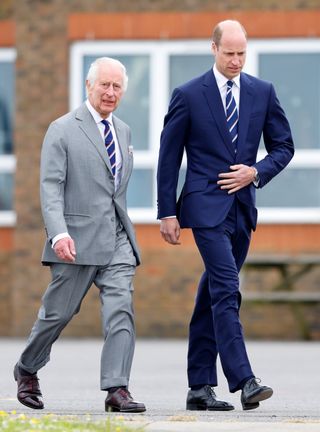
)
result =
(109, 408)
(30, 406)
(196, 407)
(15, 374)
(253, 402)
(261, 396)
(250, 406)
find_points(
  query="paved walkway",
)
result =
(70, 384)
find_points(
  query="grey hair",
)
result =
(94, 67)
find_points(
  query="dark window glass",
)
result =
(186, 67)
(296, 78)
(140, 189)
(7, 84)
(6, 191)
(296, 187)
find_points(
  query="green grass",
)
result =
(13, 422)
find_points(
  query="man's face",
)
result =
(107, 90)
(230, 55)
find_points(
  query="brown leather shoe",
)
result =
(122, 401)
(29, 393)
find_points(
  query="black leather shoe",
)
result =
(253, 393)
(206, 399)
(29, 393)
(122, 401)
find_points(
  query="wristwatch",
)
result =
(256, 177)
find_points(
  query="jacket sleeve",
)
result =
(172, 143)
(53, 172)
(277, 139)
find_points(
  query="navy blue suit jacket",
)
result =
(196, 122)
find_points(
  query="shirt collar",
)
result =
(222, 80)
(96, 116)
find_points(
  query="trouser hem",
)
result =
(33, 369)
(114, 382)
(240, 384)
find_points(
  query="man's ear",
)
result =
(214, 48)
(87, 85)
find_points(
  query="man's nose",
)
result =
(110, 90)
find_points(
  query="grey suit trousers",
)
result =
(62, 300)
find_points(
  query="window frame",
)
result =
(7, 162)
(160, 52)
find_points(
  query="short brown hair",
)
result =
(217, 31)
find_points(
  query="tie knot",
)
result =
(229, 84)
(105, 122)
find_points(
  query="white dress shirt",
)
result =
(98, 119)
(222, 86)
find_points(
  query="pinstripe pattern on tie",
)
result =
(232, 113)
(110, 145)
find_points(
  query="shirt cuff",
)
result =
(59, 237)
(169, 217)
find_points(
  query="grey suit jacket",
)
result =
(77, 188)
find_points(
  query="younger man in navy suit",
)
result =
(218, 119)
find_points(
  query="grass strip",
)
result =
(13, 422)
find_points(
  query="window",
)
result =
(7, 160)
(156, 68)
(293, 66)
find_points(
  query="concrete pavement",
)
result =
(70, 385)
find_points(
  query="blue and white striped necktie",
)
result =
(110, 145)
(232, 114)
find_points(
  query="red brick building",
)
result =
(45, 50)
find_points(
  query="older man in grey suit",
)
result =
(86, 163)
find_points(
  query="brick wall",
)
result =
(166, 283)
(5, 293)
(41, 96)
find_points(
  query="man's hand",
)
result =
(65, 249)
(239, 177)
(170, 230)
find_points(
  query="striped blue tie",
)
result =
(110, 145)
(232, 114)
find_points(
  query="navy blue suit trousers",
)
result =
(215, 327)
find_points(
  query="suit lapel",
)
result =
(123, 144)
(89, 127)
(246, 103)
(213, 97)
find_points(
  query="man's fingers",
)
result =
(170, 230)
(226, 181)
(240, 177)
(236, 167)
(172, 238)
(65, 249)
(72, 248)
